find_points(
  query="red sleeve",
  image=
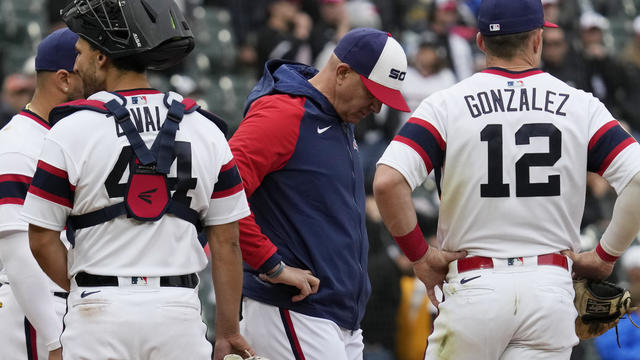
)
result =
(264, 143)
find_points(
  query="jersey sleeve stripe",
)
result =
(15, 178)
(52, 170)
(52, 184)
(417, 149)
(228, 179)
(228, 166)
(228, 192)
(12, 201)
(612, 155)
(606, 127)
(13, 188)
(425, 137)
(50, 197)
(431, 129)
(608, 142)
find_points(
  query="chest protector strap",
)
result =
(147, 196)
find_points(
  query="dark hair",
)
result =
(507, 46)
(129, 63)
(126, 63)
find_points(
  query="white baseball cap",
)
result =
(380, 61)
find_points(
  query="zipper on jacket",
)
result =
(358, 245)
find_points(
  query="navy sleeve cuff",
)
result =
(270, 263)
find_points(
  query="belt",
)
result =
(89, 280)
(481, 262)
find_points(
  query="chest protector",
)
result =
(147, 196)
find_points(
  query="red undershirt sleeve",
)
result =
(264, 143)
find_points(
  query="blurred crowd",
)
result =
(596, 48)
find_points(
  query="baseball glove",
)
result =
(600, 306)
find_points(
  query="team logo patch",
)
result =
(138, 280)
(146, 196)
(494, 27)
(517, 83)
(139, 100)
(515, 261)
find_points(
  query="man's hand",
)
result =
(55, 354)
(432, 269)
(231, 344)
(589, 265)
(302, 279)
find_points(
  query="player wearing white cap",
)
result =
(510, 148)
(24, 288)
(306, 284)
(135, 174)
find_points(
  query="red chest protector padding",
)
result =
(147, 197)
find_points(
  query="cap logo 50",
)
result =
(397, 74)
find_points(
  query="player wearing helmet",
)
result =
(135, 174)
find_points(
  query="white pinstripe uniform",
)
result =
(20, 144)
(508, 147)
(140, 317)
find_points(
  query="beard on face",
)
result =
(90, 83)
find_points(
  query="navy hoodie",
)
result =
(302, 174)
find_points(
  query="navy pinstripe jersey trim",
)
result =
(229, 181)
(13, 188)
(52, 184)
(605, 145)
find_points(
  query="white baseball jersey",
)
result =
(20, 144)
(84, 166)
(511, 152)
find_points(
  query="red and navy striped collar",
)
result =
(35, 117)
(512, 74)
(135, 92)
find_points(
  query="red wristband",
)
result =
(413, 244)
(604, 256)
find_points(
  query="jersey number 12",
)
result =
(495, 186)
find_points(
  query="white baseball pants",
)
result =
(515, 310)
(280, 334)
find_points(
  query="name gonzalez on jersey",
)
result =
(519, 99)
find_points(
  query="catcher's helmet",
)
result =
(154, 32)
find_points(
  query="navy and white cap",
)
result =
(503, 17)
(379, 60)
(57, 51)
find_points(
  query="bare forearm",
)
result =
(50, 253)
(393, 197)
(227, 276)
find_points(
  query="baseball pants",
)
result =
(135, 319)
(281, 334)
(18, 339)
(515, 310)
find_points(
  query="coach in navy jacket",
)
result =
(305, 245)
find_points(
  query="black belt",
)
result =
(88, 280)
